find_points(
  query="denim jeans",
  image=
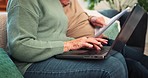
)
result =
(137, 62)
(136, 69)
(113, 67)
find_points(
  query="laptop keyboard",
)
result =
(102, 51)
(90, 51)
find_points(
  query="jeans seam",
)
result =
(68, 71)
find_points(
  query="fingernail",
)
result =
(106, 42)
(99, 48)
(101, 45)
(91, 46)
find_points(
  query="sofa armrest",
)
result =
(3, 41)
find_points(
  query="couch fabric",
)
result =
(7, 68)
(3, 17)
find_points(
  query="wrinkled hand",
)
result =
(84, 42)
(97, 21)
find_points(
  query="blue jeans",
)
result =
(137, 62)
(113, 67)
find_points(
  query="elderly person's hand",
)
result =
(97, 21)
(85, 42)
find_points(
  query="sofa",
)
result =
(7, 68)
(3, 17)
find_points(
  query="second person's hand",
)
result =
(97, 21)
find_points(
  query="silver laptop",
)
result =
(120, 41)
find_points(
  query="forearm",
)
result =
(33, 50)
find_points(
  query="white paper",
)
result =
(112, 20)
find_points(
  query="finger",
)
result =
(97, 47)
(100, 20)
(104, 41)
(98, 24)
(92, 40)
(99, 44)
(88, 45)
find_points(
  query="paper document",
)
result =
(112, 20)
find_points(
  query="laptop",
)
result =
(118, 44)
(140, 35)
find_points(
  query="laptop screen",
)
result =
(128, 28)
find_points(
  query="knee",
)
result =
(117, 66)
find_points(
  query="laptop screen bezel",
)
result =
(127, 29)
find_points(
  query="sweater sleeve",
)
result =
(22, 37)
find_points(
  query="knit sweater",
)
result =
(36, 30)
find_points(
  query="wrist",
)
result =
(66, 46)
